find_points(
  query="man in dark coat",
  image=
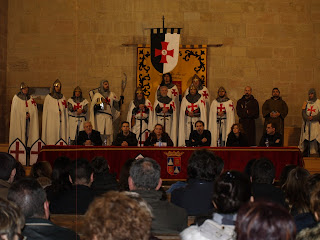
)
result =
(89, 137)
(248, 111)
(125, 137)
(31, 198)
(199, 137)
(274, 110)
(271, 138)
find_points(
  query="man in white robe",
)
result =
(165, 113)
(78, 109)
(193, 108)
(55, 116)
(310, 129)
(104, 109)
(221, 118)
(140, 116)
(24, 123)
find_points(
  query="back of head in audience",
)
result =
(231, 190)
(248, 167)
(100, 165)
(7, 167)
(20, 171)
(264, 220)
(41, 169)
(60, 171)
(145, 174)
(284, 173)
(313, 181)
(296, 191)
(204, 165)
(28, 194)
(81, 172)
(117, 216)
(263, 171)
(124, 175)
(11, 220)
(315, 202)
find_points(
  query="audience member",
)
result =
(231, 190)
(117, 215)
(196, 197)
(30, 196)
(248, 167)
(312, 233)
(158, 137)
(262, 177)
(284, 174)
(237, 137)
(145, 179)
(298, 198)
(264, 220)
(11, 221)
(103, 180)
(312, 182)
(60, 178)
(42, 171)
(7, 173)
(124, 175)
(88, 136)
(125, 137)
(20, 171)
(78, 198)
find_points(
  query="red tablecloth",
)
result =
(174, 160)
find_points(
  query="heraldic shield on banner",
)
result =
(173, 162)
(165, 49)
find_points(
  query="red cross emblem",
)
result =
(61, 143)
(64, 102)
(164, 52)
(192, 106)
(33, 102)
(173, 105)
(38, 150)
(165, 106)
(221, 108)
(17, 151)
(76, 107)
(231, 105)
(142, 112)
(174, 92)
(149, 106)
(205, 94)
(311, 109)
(204, 103)
(26, 103)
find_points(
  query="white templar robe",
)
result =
(142, 119)
(206, 96)
(76, 120)
(227, 120)
(55, 120)
(186, 121)
(18, 123)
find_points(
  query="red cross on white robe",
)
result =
(204, 103)
(205, 94)
(26, 104)
(231, 105)
(142, 112)
(173, 106)
(76, 107)
(149, 106)
(221, 108)
(193, 107)
(17, 151)
(64, 102)
(163, 52)
(33, 102)
(174, 92)
(165, 106)
(311, 110)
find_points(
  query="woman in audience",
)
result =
(117, 215)
(264, 220)
(103, 181)
(60, 178)
(298, 198)
(42, 171)
(284, 174)
(313, 233)
(158, 137)
(236, 137)
(231, 190)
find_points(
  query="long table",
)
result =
(174, 160)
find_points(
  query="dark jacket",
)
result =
(272, 140)
(74, 201)
(131, 139)
(152, 139)
(104, 182)
(233, 141)
(94, 137)
(194, 135)
(195, 198)
(168, 218)
(264, 191)
(40, 229)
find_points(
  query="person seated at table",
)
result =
(271, 138)
(237, 138)
(89, 137)
(158, 138)
(125, 137)
(199, 137)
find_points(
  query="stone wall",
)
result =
(4, 109)
(266, 44)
